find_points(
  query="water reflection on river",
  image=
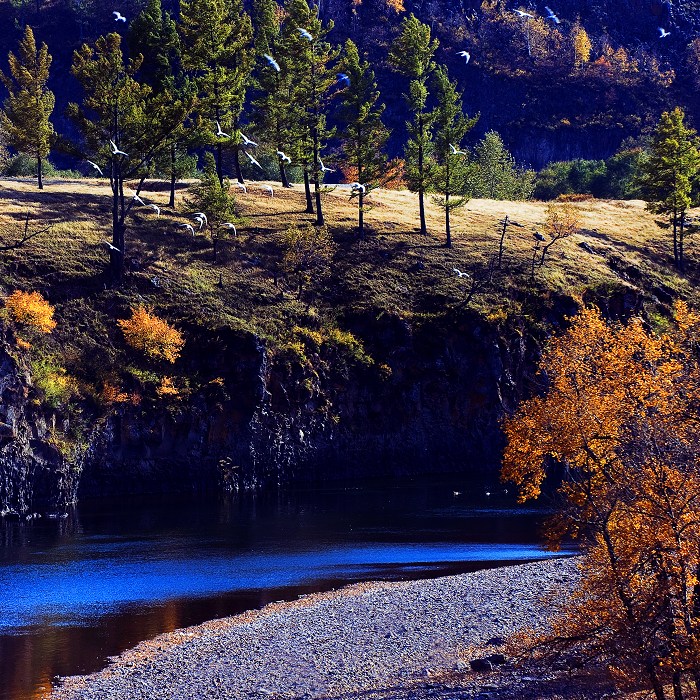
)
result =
(74, 592)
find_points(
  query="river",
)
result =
(77, 590)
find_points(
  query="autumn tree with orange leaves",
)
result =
(618, 418)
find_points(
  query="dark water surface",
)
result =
(76, 591)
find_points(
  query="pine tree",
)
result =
(217, 51)
(364, 134)
(411, 54)
(275, 111)
(117, 108)
(312, 80)
(153, 35)
(449, 175)
(28, 107)
(669, 175)
(497, 175)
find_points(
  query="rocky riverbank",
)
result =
(378, 640)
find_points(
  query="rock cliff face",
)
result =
(433, 407)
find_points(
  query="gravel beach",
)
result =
(377, 640)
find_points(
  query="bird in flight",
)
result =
(456, 152)
(97, 167)
(189, 227)
(220, 133)
(285, 158)
(324, 169)
(201, 219)
(520, 13)
(344, 78)
(459, 273)
(552, 16)
(272, 62)
(112, 247)
(253, 161)
(305, 33)
(663, 33)
(118, 16)
(116, 151)
(155, 208)
(268, 188)
(357, 187)
(138, 200)
(231, 227)
(247, 141)
(538, 237)
(465, 54)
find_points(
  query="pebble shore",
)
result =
(378, 639)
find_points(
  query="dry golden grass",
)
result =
(393, 269)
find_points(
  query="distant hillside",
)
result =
(522, 78)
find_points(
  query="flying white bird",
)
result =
(520, 13)
(456, 152)
(268, 188)
(189, 227)
(138, 200)
(155, 208)
(272, 62)
(663, 33)
(253, 161)
(97, 167)
(344, 78)
(118, 16)
(459, 273)
(231, 227)
(465, 54)
(201, 219)
(285, 158)
(305, 33)
(324, 169)
(241, 187)
(552, 16)
(220, 133)
(112, 247)
(357, 187)
(538, 237)
(247, 141)
(116, 151)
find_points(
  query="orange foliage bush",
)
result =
(151, 335)
(167, 389)
(395, 178)
(31, 309)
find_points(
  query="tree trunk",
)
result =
(448, 232)
(421, 204)
(38, 172)
(116, 257)
(502, 241)
(320, 221)
(677, 688)
(675, 238)
(173, 178)
(656, 685)
(307, 190)
(421, 209)
(361, 216)
(681, 242)
(219, 166)
(283, 173)
(237, 167)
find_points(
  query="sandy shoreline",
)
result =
(366, 638)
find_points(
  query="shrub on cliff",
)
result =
(152, 335)
(31, 310)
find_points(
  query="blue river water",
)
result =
(77, 590)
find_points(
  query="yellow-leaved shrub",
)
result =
(152, 335)
(32, 310)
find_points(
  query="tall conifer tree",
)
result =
(217, 40)
(411, 54)
(450, 173)
(28, 107)
(364, 134)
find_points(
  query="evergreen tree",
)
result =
(275, 109)
(117, 108)
(411, 54)
(364, 134)
(670, 173)
(308, 61)
(496, 174)
(153, 35)
(28, 107)
(217, 51)
(449, 175)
